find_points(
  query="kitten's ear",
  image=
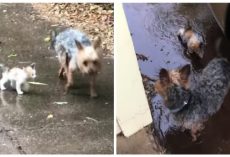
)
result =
(33, 65)
(164, 76)
(79, 45)
(97, 42)
(185, 72)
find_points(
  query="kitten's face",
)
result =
(31, 71)
(173, 86)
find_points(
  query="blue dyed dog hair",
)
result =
(72, 40)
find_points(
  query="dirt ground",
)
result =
(33, 123)
(141, 142)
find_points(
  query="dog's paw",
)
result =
(93, 95)
(3, 88)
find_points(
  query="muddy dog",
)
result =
(190, 104)
(76, 51)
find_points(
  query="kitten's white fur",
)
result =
(18, 78)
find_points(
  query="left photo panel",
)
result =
(57, 78)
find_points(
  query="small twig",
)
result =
(38, 83)
(92, 119)
(141, 57)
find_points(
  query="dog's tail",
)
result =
(53, 35)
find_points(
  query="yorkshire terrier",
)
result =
(17, 77)
(76, 51)
(191, 103)
(192, 41)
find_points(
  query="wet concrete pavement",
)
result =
(153, 29)
(84, 125)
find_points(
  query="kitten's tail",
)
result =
(4, 68)
(53, 35)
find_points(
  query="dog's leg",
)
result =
(69, 79)
(64, 63)
(93, 93)
(195, 131)
(65, 70)
(61, 62)
(60, 72)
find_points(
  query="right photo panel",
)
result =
(173, 78)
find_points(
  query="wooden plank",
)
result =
(133, 112)
(118, 128)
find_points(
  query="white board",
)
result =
(132, 108)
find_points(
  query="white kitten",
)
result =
(18, 77)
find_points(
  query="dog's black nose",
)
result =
(91, 71)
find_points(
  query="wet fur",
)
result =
(179, 77)
(192, 41)
(76, 51)
(18, 77)
(191, 107)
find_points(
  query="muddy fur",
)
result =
(192, 41)
(178, 77)
(191, 107)
(76, 51)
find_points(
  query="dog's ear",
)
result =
(185, 72)
(164, 76)
(32, 65)
(97, 42)
(79, 45)
(188, 26)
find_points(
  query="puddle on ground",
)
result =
(153, 28)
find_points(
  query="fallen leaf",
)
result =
(61, 103)
(24, 62)
(50, 116)
(47, 39)
(89, 118)
(12, 55)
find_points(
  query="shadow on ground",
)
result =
(83, 125)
